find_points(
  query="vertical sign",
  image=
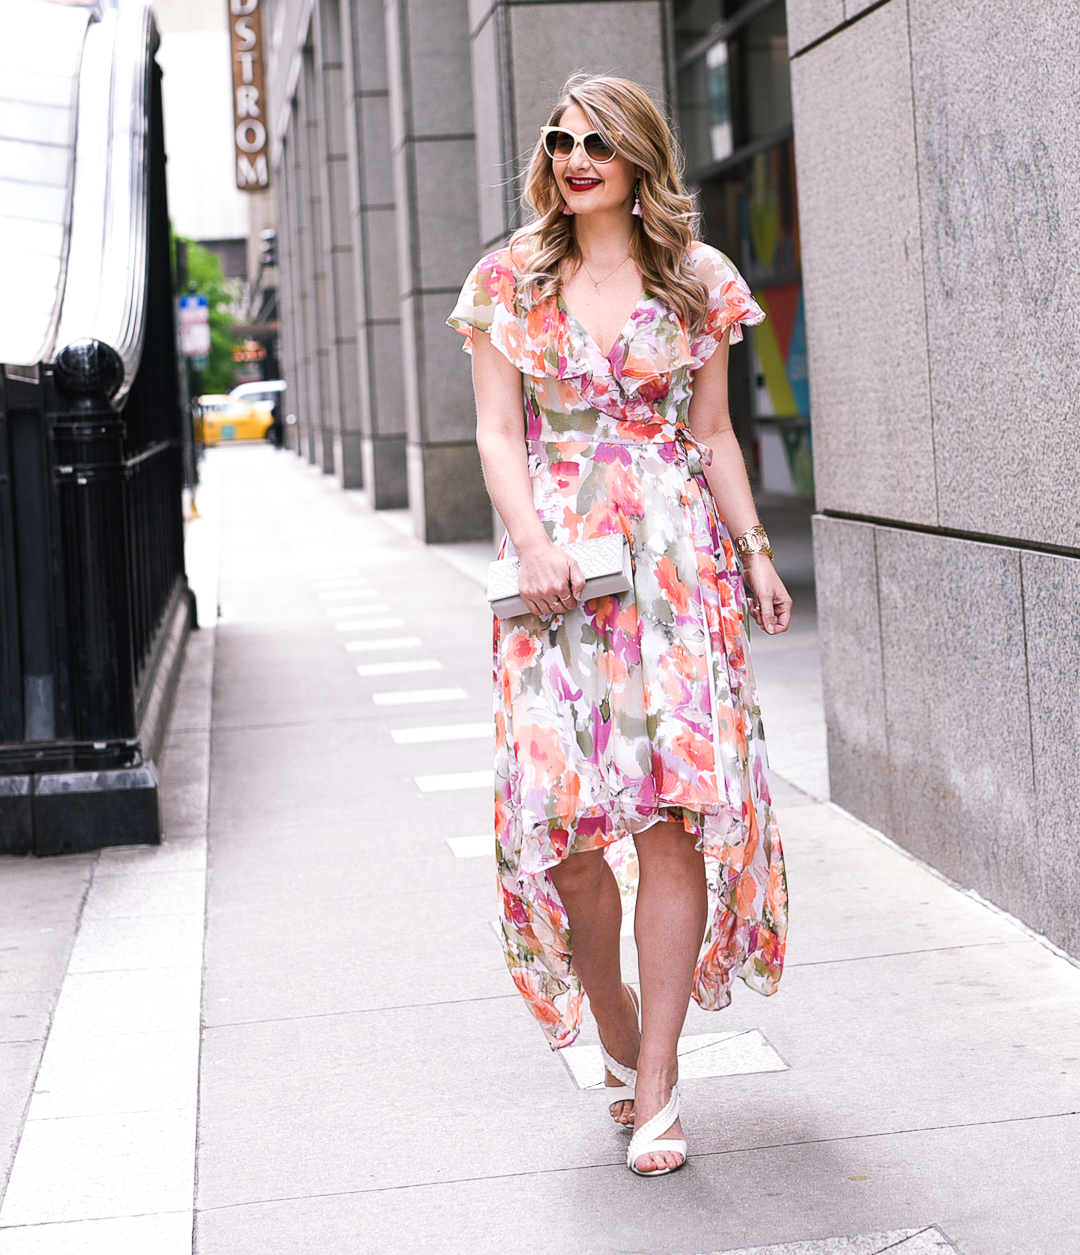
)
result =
(249, 96)
(194, 326)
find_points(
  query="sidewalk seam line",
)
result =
(896, 1245)
(621, 1162)
(325, 1015)
(898, 954)
(132, 1215)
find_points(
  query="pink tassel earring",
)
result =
(636, 211)
(568, 211)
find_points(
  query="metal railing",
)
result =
(94, 605)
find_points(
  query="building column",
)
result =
(342, 420)
(324, 358)
(431, 112)
(287, 270)
(522, 54)
(304, 312)
(307, 393)
(366, 105)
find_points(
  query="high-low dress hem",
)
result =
(637, 707)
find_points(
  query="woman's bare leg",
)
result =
(672, 910)
(590, 895)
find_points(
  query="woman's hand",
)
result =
(550, 580)
(771, 605)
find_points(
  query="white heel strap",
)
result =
(618, 1093)
(619, 1070)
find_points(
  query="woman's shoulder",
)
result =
(510, 261)
(496, 261)
(711, 264)
(489, 302)
(491, 269)
(730, 300)
(495, 277)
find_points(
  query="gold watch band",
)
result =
(753, 540)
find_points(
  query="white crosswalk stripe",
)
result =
(456, 780)
(398, 668)
(343, 612)
(368, 625)
(444, 732)
(413, 697)
(472, 847)
(393, 642)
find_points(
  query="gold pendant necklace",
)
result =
(596, 282)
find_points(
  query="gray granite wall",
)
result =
(343, 411)
(322, 382)
(288, 349)
(286, 35)
(438, 240)
(952, 700)
(371, 217)
(387, 201)
(935, 190)
(302, 314)
(522, 53)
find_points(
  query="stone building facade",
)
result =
(397, 128)
(937, 198)
(924, 270)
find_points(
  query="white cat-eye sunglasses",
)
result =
(559, 142)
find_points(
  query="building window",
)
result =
(705, 115)
(734, 114)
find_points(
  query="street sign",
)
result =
(194, 326)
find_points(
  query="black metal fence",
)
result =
(94, 603)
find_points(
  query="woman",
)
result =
(625, 724)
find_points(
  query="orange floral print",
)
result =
(524, 649)
(640, 706)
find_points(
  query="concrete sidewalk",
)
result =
(369, 1081)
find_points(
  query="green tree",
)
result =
(206, 278)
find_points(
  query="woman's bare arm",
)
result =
(550, 580)
(710, 422)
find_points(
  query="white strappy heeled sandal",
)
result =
(645, 1141)
(628, 1076)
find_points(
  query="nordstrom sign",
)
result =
(249, 95)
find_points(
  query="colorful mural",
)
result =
(771, 257)
(781, 350)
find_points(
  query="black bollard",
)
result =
(88, 443)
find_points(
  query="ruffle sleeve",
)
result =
(488, 303)
(730, 303)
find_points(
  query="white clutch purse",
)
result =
(604, 561)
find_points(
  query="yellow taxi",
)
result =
(227, 418)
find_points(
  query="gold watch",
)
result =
(754, 540)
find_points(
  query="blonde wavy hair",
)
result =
(625, 115)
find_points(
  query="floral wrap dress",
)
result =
(638, 707)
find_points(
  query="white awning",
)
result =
(105, 291)
(74, 99)
(40, 56)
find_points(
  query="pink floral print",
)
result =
(641, 706)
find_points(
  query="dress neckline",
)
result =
(627, 326)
